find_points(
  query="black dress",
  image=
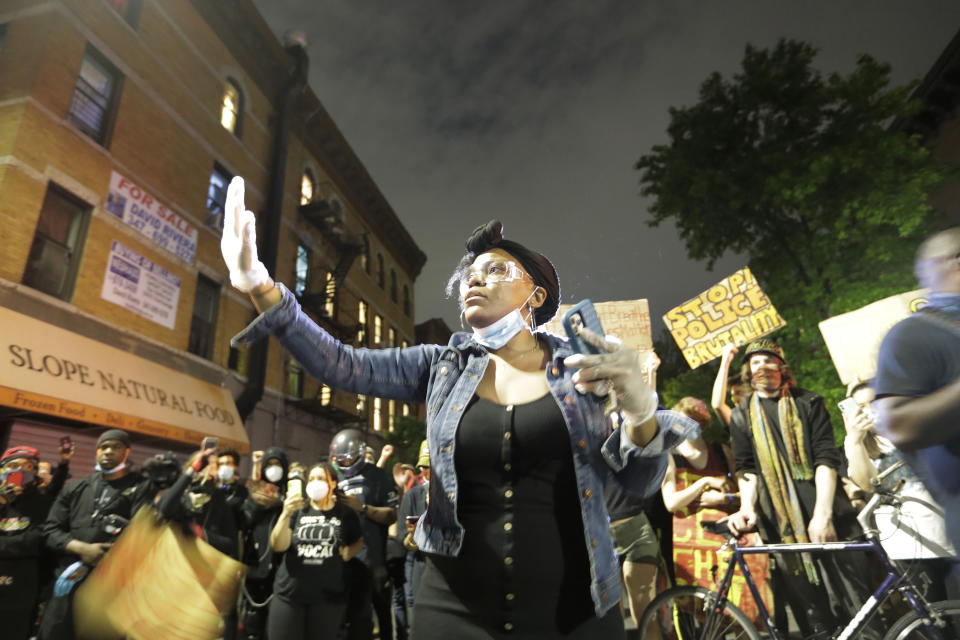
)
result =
(523, 570)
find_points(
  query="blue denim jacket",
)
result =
(446, 378)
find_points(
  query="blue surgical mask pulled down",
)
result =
(500, 332)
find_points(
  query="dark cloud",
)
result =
(534, 112)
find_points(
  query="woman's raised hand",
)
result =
(238, 244)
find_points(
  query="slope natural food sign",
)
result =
(734, 310)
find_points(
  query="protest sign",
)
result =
(854, 338)
(628, 320)
(734, 310)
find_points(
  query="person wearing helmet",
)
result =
(372, 494)
(516, 532)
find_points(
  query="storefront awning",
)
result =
(47, 369)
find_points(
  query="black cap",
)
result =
(114, 434)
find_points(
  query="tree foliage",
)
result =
(801, 172)
(408, 432)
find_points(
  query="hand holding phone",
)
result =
(210, 442)
(66, 448)
(583, 316)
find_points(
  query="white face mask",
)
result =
(499, 333)
(273, 473)
(120, 467)
(225, 473)
(317, 490)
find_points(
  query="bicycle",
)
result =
(695, 613)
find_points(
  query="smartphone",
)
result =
(582, 315)
(15, 478)
(849, 407)
(210, 442)
(413, 519)
(65, 445)
(295, 484)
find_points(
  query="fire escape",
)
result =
(326, 215)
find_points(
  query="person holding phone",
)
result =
(316, 538)
(23, 509)
(516, 530)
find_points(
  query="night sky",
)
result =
(534, 112)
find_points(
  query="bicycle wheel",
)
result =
(681, 614)
(911, 627)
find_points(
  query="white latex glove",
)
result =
(622, 367)
(238, 244)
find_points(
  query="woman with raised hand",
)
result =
(516, 528)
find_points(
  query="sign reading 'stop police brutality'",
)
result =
(140, 210)
(734, 310)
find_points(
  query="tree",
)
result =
(800, 172)
(408, 432)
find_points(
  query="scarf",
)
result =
(779, 474)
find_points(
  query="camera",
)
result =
(113, 524)
(163, 469)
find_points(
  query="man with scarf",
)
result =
(787, 460)
(918, 378)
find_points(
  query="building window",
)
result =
(362, 321)
(380, 269)
(302, 271)
(365, 255)
(361, 404)
(231, 107)
(326, 393)
(404, 344)
(405, 409)
(203, 326)
(391, 413)
(393, 285)
(55, 253)
(129, 10)
(237, 360)
(94, 97)
(391, 337)
(377, 330)
(406, 300)
(330, 291)
(306, 187)
(217, 196)
(377, 414)
(295, 379)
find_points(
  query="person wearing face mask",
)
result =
(787, 459)
(516, 533)
(23, 508)
(315, 540)
(261, 510)
(208, 500)
(86, 518)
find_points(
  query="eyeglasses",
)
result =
(493, 271)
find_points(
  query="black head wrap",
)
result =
(490, 236)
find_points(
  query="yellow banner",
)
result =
(628, 320)
(157, 584)
(734, 310)
(47, 369)
(854, 338)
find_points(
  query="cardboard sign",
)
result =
(628, 320)
(734, 310)
(854, 338)
(158, 584)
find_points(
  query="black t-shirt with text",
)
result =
(312, 565)
(374, 487)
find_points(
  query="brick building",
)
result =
(121, 123)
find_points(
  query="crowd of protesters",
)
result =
(335, 549)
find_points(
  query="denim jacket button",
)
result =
(569, 399)
(588, 493)
(555, 370)
(443, 371)
(582, 443)
(593, 543)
